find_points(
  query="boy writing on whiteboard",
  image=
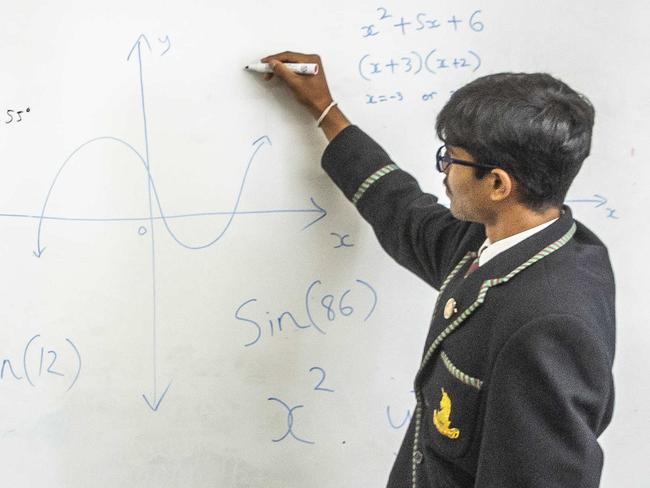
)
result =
(515, 383)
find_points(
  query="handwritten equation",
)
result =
(320, 309)
(43, 364)
(434, 61)
(386, 21)
(414, 62)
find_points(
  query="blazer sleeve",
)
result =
(549, 397)
(418, 232)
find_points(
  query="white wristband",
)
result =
(324, 114)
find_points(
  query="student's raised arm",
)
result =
(417, 232)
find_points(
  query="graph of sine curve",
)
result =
(154, 200)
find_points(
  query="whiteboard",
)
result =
(189, 301)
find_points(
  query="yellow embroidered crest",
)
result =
(441, 418)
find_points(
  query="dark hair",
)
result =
(533, 126)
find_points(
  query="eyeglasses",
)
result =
(443, 161)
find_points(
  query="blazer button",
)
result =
(450, 308)
(417, 457)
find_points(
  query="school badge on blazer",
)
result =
(442, 420)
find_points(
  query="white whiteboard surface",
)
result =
(131, 359)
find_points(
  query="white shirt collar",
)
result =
(489, 250)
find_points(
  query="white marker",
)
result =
(300, 68)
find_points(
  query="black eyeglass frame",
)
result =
(440, 158)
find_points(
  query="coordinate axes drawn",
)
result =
(315, 212)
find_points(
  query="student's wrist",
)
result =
(334, 122)
(317, 107)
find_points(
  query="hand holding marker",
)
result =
(300, 68)
(309, 87)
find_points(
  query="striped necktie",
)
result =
(474, 266)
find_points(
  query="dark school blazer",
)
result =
(515, 384)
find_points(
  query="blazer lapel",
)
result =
(460, 296)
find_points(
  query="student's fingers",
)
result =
(283, 72)
(289, 57)
(293, 57)
(310, 90)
